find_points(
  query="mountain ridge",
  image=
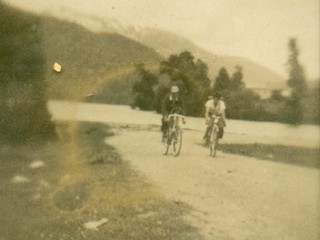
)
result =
(166, 43)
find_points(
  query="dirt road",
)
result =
(233, 197)
(241, 131)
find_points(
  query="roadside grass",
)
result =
(307, 157)
(83, 180)
(134, 208)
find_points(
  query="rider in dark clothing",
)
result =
(171, 102)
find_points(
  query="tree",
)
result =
(236, 80)
(296, 80)
(244, 105)
(192, 76)
(296, 83)
(145, 96)
(222, 83)
(276, 96)
(160, 93)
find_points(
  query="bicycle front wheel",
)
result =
(176, 141)
(213, 143)
(166, 144)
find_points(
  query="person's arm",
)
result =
(223, 111)
(223, 114)
(183, 107)
(206, 114)
(164, 106)
(207, 117)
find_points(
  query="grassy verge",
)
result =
(83, 180)
(285, 154)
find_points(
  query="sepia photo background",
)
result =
(82, 85)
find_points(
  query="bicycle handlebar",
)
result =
(177, 115)
(215, 116)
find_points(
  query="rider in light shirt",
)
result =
(215, 106)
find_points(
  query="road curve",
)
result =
(233, 197)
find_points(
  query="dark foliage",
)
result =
(223, 83)
(191, 76)
(160, 94)
(145, 95)
(311, 104)
(237, 80)
(245, 105)
(23, 111)
(297, 84)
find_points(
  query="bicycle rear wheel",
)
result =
(213, 143)
(176, 141)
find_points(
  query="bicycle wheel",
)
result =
(213, 143)
(176, 141)
(166, 143)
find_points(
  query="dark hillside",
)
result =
(166, 43)
(118, 91)
(88, 59)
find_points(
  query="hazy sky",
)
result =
(256, 29)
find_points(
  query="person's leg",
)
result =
(221, 132)
(206, 133)
(162, 124)
(164, 127)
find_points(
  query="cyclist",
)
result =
(172, 101)
(215, 106)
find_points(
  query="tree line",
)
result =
(191, 76)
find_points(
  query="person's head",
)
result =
(174, 91)
(216, 98)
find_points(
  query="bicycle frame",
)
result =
(213, 134)
(174, 119)
(174, 133)
(214, 122)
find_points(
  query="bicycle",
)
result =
(173, 133)
(212, 134)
